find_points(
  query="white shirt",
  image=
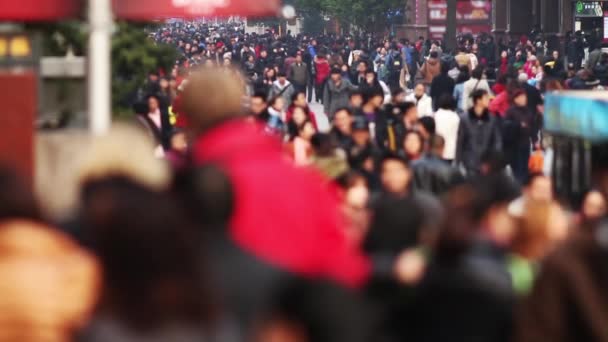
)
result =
(424, 105)
(446, 125)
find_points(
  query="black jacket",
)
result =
(442, 84)
(434, 175)
(476, 136)
(520, 127)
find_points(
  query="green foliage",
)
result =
(366, 14)
(58, 37)
(134, 56)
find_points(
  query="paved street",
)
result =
(322, 119)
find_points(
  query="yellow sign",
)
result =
(20, 47)
(3, 47)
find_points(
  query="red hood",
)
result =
(284, 215)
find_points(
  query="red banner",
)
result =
(40, 10)
(161, 9)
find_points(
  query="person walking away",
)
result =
(322, 71)
(479, 133)
(462, 59)
(594, 57)
(601, 70)
(442, 84)
(336, 93)
(477, 82)
(431, 68)
(458, 94)
(282, 88)
(423, 102)
(447, 122)
(395, 63)
(432, 174)
(298, 74)
(306, 236)
(520, 134)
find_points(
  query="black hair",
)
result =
(260, 94)
(336, 71)
(477, 72)
(355, 93)
(447, 102)
(436, 141)
(295, 95)
(428, 123)
(343, 109)
(397, 91)
(477, 95)
(281, 74)
(434, 54)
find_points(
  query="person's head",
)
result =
(277, 103)
(270, 73)
(356, 99)
(263, 53)
(164, 84)
(437, 145)
(343, 120)
(370, 77)
(539, 188)
(360, 131)
(519, 98)
(542, 225)
(463, 74)
(149, 255)
(420, 90)
(257, 103)
(153, 104)
(481, 99)
(445, 68)
(594, 206)
(299, 58)
(307, 130)
(373, 98)
(555, 54)
(413, 144)
(299, 99)
(282, 77)
(398, 95)
(447, 102)
(395, 175)
(434, 54)
(426, 127)
(179, 141)
(299, 116)
(477, 72)
(410, 113)
(336, 75)
(503, 54)
(223, 101)
(362, 67)
(251, 59)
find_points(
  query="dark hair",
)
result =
(260, 94)
(343, 109)
(355, 93)
(477, 72)
(17, 200)
(295, 95)
(447, 102)
(336, 71)
(323, 144)
(445, 67)
(434, 54)
(464, 74)
(416, 133)
(397, 91)
(477, 95)
(407, 106)
(281, 74)
(428, 123)
(145, 245)
(436, 141)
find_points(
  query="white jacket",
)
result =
(469, 87)
(446, 125)
(424, 105)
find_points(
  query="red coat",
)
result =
(323, 71)
(311, 116)
(284, 215)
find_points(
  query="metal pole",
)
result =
(99, 65)
(450, 34)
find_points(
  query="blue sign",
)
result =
(583, 116)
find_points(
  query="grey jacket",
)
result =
(299, 73)
(285, 91)
(336, 97)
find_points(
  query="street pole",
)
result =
(99, 66)
(450, 34)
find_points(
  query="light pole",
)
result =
(450, 33)
(99, 66)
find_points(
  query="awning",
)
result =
(162, 9)
(40, 10)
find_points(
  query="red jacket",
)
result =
(311, 116)
(323, 70)
(284, 215)
(500, 104)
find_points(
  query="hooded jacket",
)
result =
(336, 96)
(285, 216)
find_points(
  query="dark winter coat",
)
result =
(476, 136)
(336, 96)
(442, 84)
(434, 175)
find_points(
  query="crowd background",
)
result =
(426, 212)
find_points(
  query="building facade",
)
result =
(507, 17)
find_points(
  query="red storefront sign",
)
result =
(40, 10)
(160, 9)
(472, 16)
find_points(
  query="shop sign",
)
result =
(589, 9)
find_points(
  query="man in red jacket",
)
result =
(283, 215)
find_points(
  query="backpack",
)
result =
(396, 62)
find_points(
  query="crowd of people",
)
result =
(425, 213)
